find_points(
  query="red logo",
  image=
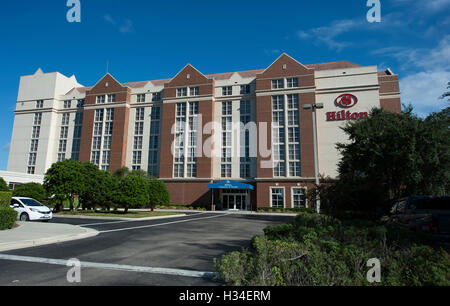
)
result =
(346, 100)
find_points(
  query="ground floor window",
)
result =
(277, 195)
(299, 197)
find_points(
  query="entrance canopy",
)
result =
(230, 185)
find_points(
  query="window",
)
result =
(40, 104)
(245, 170)
(95, 157)
(138, 143)
(34, 145)
(141, 98)
(32, 159)
(194, 91)
(140, 114)
(99, 115)
(292, 82)
(101, 99)
(37, 118)
(65, 119)
(107, 140)
(96, 143)
(245, 89)
(156, 96)
(62, 145)
(278, 84)
(80, 103)
(111, 98)
(294, 169)
(226, 170)
(277, 196)
(108, 128)
(36, 132)
(227, 108)
(110, 114)
(227, 91)
(67, 104)
(182, 92)
(139, 128)
(64, 132)
(292, 101)
(298, 198)
(31, 170)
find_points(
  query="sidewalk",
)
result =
(30, 234)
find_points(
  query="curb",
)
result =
(120, 219)
(9, 246)
(243, 213)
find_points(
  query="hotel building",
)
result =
(193, 129)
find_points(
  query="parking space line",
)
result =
(133, 220)
(104, 266)
(161, 224)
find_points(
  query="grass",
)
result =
(121, 214)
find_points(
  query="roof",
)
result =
(228, 75)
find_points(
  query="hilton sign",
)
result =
(346, 101)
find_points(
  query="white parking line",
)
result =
(161, 224)
(134, 220)
(85, 264)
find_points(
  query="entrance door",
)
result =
(234, 201)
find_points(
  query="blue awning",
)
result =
(230, 185)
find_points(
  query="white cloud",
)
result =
(126, 27)
(423, 90)
(328, 35)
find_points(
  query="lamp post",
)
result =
(313, 107)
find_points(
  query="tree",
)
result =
(393, 155)
(63, 180)
(158, 193)
(132, 191)
(3, 185)
(31, 190)
(97, 187)
(121, 172)
(157, 190)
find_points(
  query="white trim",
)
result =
(292, 195)
(284, 195)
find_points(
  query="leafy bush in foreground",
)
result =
(8, 217)
(325, 251)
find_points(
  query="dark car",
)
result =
(425, 213)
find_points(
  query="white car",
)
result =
(31, 210)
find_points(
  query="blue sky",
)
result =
(144, 40)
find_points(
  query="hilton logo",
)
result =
(346, 101)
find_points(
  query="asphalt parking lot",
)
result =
(187, 244)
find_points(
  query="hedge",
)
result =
(320, 250)
(8, 217)
(5, 198)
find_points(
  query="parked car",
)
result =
(31, 210)
(426, 213)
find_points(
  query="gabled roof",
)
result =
(228, 75)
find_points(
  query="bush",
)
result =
(3, 185)
(323, 250)
(285, 210)
(30, 190)
(5, 198)
(8, 217)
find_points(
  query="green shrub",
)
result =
(30, 190)
(3, 185)
(5, 198)
(8, 217)
(323, 250)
